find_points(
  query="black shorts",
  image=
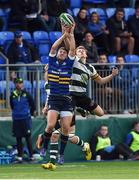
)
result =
(84, 102)
(22, 128)
(60, 103)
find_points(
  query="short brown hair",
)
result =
(81, 47)
(63, 48)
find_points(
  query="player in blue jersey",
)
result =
(59, 101)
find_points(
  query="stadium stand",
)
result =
(28, 86)
(96, 1)
(75, 4)
(110, 12)
(40, 37)
(44, 59)
(43, 49)
(129, 12)
(112, 59)
(53, 35)
(6, 37)
(132, 58)
(27, 36)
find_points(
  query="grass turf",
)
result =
(81, 170)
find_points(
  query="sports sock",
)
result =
(19, 146)
(80, 142)
(46, 139)
(53, 152)
(63, 143)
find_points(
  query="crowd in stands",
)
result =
(29, 27)
(112, 29)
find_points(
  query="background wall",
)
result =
(118, 128)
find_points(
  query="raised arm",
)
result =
(72, 46)
(57, 43)
(106, 79)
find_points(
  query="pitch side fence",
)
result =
(121, 95)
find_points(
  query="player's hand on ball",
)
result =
(115, 71)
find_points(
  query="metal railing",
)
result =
(121, 95)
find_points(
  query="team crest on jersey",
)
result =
(84, 77)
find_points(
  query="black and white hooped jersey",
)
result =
(81, 74)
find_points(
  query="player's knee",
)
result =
(100, 113)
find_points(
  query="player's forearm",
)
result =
(104, 80)
(72, 45)
(67, 43)
(57, 43)
(107, 79)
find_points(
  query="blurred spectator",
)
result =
(123, 83)
(99, 31)
(22, 11)
(132, 139)
(119, 34)
(23, 107)
(81, 25)
(47, 22)
(54, 9)
(133, 23)
(21, 52)
(101, 145)
(1, 24)
(104, 93)
(90, 46)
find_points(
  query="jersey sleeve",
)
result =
(93, 72)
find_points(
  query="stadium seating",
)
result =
(43, 49)
(54, 35)
(27, 86)
(129, 12)
(44, 59)
(132, 58)
(99, 11)
(110, 12)
(3, 85)
(6, 37)
(75, 4)
(2, 74)
(75, 11)
(27, 36)
(40, 37)
(2, 61)
(112, 59)
(135, 73)
(96, 1)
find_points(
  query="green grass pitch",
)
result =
(80, 170)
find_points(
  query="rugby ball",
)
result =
(66, 19)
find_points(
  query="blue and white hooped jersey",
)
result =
(59, 75)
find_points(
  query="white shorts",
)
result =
(63, 113)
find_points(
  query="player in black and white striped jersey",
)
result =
(81, 74)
